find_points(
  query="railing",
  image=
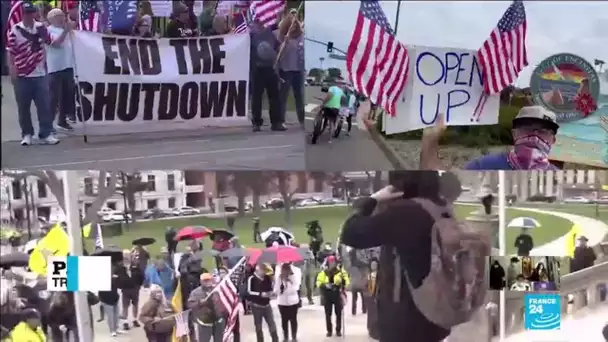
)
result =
(579, 290)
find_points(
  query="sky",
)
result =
(577, 27)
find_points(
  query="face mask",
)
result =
(531, 149)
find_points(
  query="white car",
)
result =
(577, 199)
(106, 211)
(116, 217)
(603, 200)
(181, 211)
(307, 202)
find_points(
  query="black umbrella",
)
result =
(221, 233)
(111, 251)
(15, 259)
(144, 241)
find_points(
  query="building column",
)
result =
(549, 179)
(533, 182)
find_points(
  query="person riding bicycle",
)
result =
(330, 108)
(353, 105)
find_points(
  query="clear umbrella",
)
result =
(524, 222)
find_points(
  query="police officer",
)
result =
(332, 282)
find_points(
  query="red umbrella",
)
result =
(253, 254)
(192, 233)
(279, 255)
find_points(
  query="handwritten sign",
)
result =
(443, 80)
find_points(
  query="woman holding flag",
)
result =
(157, 316)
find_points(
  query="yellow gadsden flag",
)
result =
(86, 230)
(176, 301)
(573, 234)
(55, 243)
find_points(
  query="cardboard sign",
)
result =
(443, 80)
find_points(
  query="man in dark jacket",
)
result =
(584, 256)
(405, 226)
(170, 239)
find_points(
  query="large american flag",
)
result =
(503, 55)
(230, 299)
(267, 11)
(377, 63)
(15, 15)
(90, 16)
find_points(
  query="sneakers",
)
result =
(27, 140)
(65, 127)
(257, 128)
(50, 140)
(136, 324)
(113, 334)
(71, 121)
(121, 331)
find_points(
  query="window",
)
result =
(88, 186)
(41, 189)
(152, 204)
(108, 181)
(171, 182)
(171, 202)
(17, 194)
(151, 183)
(112, 205)
(87, 206)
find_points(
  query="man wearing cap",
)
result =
(26, 65)
(534, 133)
(584, 256)
(206, 307)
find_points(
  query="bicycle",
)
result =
(321, 123)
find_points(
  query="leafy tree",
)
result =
(334, 73)
(317, 73)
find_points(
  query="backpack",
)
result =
(456, 285)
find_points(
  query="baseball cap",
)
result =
(54, 13)
(536, 115)
(29, 7)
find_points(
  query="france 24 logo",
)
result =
(542, 311)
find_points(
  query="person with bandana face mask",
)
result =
(534, 133)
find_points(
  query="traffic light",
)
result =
(330, 47)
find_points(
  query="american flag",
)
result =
(181, 324)
(377, 63)
(90, 16)
(240, 23)
(267, 11)
(230, 299)
(503, 55)
(15, 15)
(98, 237)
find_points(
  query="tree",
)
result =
(319, 179)
(287, 190)
(130, 184)
(316, 73)
(334, 73)
(106, 187)
(239, 183)
(258, 184)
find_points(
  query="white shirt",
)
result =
(290, 295)
(59, 57)
(520, 287)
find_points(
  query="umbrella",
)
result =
(221, 233)
(192, 233)
(278, 230)
(15, 259)
(278, 255)
(238, 252)
(524, 222)
(145, 241)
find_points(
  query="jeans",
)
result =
(63, 94)
(260, 314)
(265, 79)
(295, 81)
(289, 318)
(208, 333)
(111, 312)
(28, 89)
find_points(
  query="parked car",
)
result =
(578, 199)
(307, 202)
(330, 201)
(116, 217)
(229, 208)
(106, 211)
(274, 204)
(603, 200)
(155, 213)
(185, 210)
(541, 198)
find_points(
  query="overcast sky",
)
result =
(576, 27)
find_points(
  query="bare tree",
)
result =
(129, 185)
(287, 190)
(239, 182)
(106, 187)
(259, 185)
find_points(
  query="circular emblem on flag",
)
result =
(567, 85)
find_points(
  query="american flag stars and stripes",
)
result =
(230, 299)
(15, 15)
(503, 55)
(98, 237)
(90, 16)
(268, 11)
(181, 324)
(377, 63)
(240, 23)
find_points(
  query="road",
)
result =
(357, 152)
(210, 148)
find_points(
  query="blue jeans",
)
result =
(28, 89)
(295, 81)
(111, 312)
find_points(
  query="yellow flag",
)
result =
(86, 231)
(571, 237)
(176, 301)
(55, 243)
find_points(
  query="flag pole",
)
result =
(79, 113)
(397, 16)
(70, 191)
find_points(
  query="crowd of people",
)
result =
(41, 63)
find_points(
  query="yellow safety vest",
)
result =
(340, 278)
(23, 333)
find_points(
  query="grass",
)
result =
(330, 218)
(587, 210)
(552, 228)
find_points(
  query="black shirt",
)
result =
(256, 286)
(406, 227)
(584, 257)
(524, 244)
(177, 29)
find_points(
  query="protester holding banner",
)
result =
(144, 27)
(182, 24)
(291, 64)
(60, 66)
(27, 69)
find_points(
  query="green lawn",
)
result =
(587, 210)
(331, 219)
(552, 228)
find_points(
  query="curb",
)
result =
(393, 158)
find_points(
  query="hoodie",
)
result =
(412, 241)
(162, 278)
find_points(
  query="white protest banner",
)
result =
(443, 80)
(133, 84)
